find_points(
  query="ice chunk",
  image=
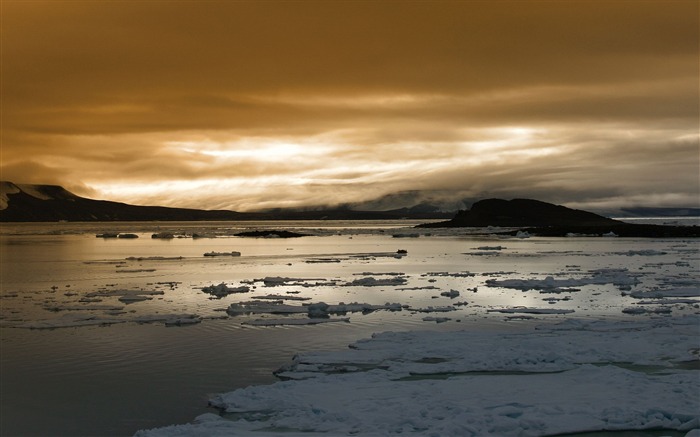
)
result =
(522, 234)
(675, 292)
(642, 310)
(222, 290)
(69, 320)
(319, 309)
(619, 277)
(258, 307)
(451, 294)
(281, 297)
(169, 319)
(431, 309)
(436, 319)
(278, 322)
(374, 282)
(526, 310)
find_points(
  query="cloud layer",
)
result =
(248, 105)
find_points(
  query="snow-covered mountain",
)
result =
(40, 192)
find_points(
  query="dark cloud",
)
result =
(434, 97)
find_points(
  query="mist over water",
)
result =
(116, 379)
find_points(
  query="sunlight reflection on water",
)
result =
(117, 379)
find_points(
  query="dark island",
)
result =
(546, 219)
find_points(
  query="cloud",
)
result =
(261, 104)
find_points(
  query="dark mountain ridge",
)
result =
(50, 203)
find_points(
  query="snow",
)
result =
(576, 376)
(5, 189)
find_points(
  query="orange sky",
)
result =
(246, 105)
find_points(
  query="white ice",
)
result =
(619, 277)
(577, 376)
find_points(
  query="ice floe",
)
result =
(643, 310)
(280, 297)
(676, 292)
(126, 296)
(169, 319)
(232, 253)
(431, 309)
(526, 310)
(451, 294)
(294, 322)
(619, 277)
(69, 320)
(436, 319)
(222, 290)
(313, 310)
(574, 377)
(374, 282)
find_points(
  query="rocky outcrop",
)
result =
(523, 213)
(546, 219)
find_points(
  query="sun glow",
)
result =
(259, 151)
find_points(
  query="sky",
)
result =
(378, 104)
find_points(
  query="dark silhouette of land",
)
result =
(546, 219)
(51, 203)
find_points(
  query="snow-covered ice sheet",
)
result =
(576, 376)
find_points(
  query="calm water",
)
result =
(116, 379)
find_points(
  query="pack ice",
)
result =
(575, 376)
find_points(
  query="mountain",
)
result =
(546, 219)
(523, 213)
(48, 203)
(39, 203)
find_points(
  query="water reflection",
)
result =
(117, 379)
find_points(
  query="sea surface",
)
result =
(120, 376)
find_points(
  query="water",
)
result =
(116, 379)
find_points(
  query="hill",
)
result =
(39, 203)
(546, 219)
(50, 203)
(522, 213)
